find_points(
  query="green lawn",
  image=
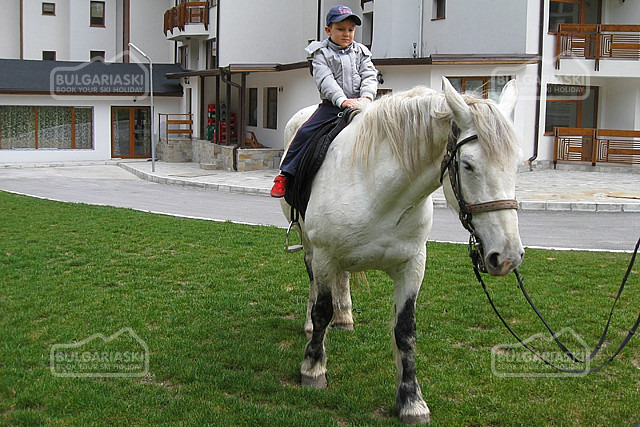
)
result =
(221, 307)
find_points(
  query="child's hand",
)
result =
(356, 103)
(349, 103)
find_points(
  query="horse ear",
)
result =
(461, 111)
(508, 98)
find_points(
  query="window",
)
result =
(184, 56)
(212, 59)
(438, 11)
(48, 55)
(483, 87)
(48, 8)
(571, 106)
(97, 55)
(573, 12)
(252, 107)
(97, 14)
(49, 127)
(271, 108)
(367, 29)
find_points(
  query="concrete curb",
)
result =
(225, 188)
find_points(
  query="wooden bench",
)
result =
(250, 140)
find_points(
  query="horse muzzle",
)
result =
(494, 262)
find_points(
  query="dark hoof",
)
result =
(416, 419)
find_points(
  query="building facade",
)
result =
(576, 64)
(243, 70)
(69, 88)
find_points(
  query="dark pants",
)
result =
(323, 114)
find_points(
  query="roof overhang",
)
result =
(239, 69)
(435, 59)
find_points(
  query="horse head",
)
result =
(482, 164)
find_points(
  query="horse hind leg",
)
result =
(341, 299)
(314, 365)
(342, 306)
(313, 292)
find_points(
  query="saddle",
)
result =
(298, 188)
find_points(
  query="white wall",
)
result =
(145, 31)
(43, 32)
(616, 12)
(298, 91)
(396, 29)
(619, 101)
(478, 26)
(10, 24)
(272, 32)
(84, 38)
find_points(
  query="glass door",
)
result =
(130, 132)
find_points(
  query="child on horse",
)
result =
(345, 77)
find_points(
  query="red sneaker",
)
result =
(279, 187)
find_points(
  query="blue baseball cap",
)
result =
(340, 13)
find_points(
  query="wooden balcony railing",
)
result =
(596, 146)
(597, 42)
(191, 12)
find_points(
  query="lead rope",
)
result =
(626, 340)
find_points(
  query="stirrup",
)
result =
(293, 248)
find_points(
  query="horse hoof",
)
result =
(319, 382)
(418, 414)
(416, 419)
(342, 326)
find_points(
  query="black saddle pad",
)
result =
(299, 187)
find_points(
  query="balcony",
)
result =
(187, 20)
(597, 146)
(605, 43)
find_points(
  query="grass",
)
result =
(221, 309)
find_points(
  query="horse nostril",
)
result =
(493, 260)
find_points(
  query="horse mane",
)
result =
(409, 121)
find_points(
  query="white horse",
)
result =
(370, 208)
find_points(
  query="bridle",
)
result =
(451, 164)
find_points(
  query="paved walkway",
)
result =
(539, 190)
(548, 189)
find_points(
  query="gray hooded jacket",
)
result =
(341, 74)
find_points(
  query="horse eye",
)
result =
(467, 166)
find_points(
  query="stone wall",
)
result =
(251, 159)
(175, 151)
(215, 156)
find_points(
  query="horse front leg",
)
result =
(409, 401)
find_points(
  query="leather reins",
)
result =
(450, 164)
